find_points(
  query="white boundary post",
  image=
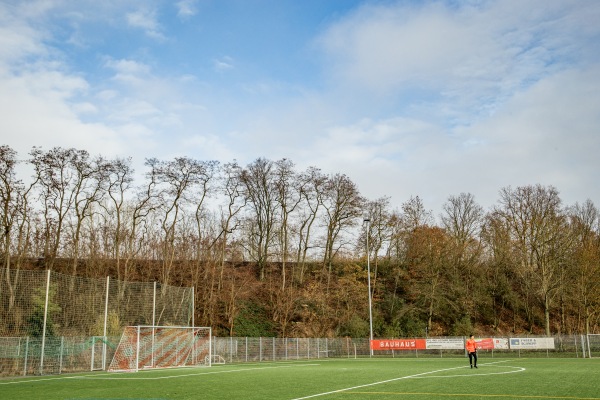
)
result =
(137, 352)
(588, 345)
(153, 320)
(62, 345)
(210, 346)
(93, 348)
(26, 355)
(193, 307)
(44, 328)
(105, 324)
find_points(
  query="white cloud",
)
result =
(473, 56)
(146, 20)
(37, 112)
(223, 64)
(186, 8)
(431, 99)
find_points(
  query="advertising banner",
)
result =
(398, 344)
(485, 344)
(500, 343)
(445, 344)
(532, 343)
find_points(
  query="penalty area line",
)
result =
(114, 376)
(422, 374)
(462, 395)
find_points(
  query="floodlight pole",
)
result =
(367, 220)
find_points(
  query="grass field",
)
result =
(329, 379)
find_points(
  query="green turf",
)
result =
(375, 378)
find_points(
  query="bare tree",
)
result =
(585, 267)
(89, 178)
(498, 267)
(462, 220)
(14, 219)
(289, 190)
(427, 257)
(379, 232)
(175, 180)
(343, 206)
(312, 191)
(56, 179)
(10, 190)
(414, 214)
(538, 229)
(119, 183)
(235, 202)
(260, 190)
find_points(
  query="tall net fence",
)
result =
(53, 323)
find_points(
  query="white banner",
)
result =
(445, 344)
(532, 343)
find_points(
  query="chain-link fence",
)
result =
(53, 323)
(23, 355)
(247, 349)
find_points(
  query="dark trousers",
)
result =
(473, 358)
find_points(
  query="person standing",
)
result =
(471, 346)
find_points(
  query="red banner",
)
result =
(398, 344)
(485, 344)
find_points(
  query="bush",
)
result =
(253, 321)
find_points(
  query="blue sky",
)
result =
(408, 98)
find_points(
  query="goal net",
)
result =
(593, 345)
(162, 347)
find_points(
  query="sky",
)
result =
(407, 98)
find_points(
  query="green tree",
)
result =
(36, 320)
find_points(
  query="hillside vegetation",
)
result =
(272, 251)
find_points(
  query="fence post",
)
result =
(318, 348)
(154, 304)
(62, 346)
(44, 327)
(26, 355)
(105, 325)
(193, 306)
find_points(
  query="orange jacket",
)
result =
(471, 345)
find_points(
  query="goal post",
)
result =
(146, 346)
(593, 345)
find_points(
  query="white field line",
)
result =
(116, 376)
(515, 370)
(421, 375)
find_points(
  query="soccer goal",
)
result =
(593, 345)
(144, 347)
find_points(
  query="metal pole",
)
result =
(153, 320)
(44, 328)
(369, 285)
(193, 306)
(105, 324)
